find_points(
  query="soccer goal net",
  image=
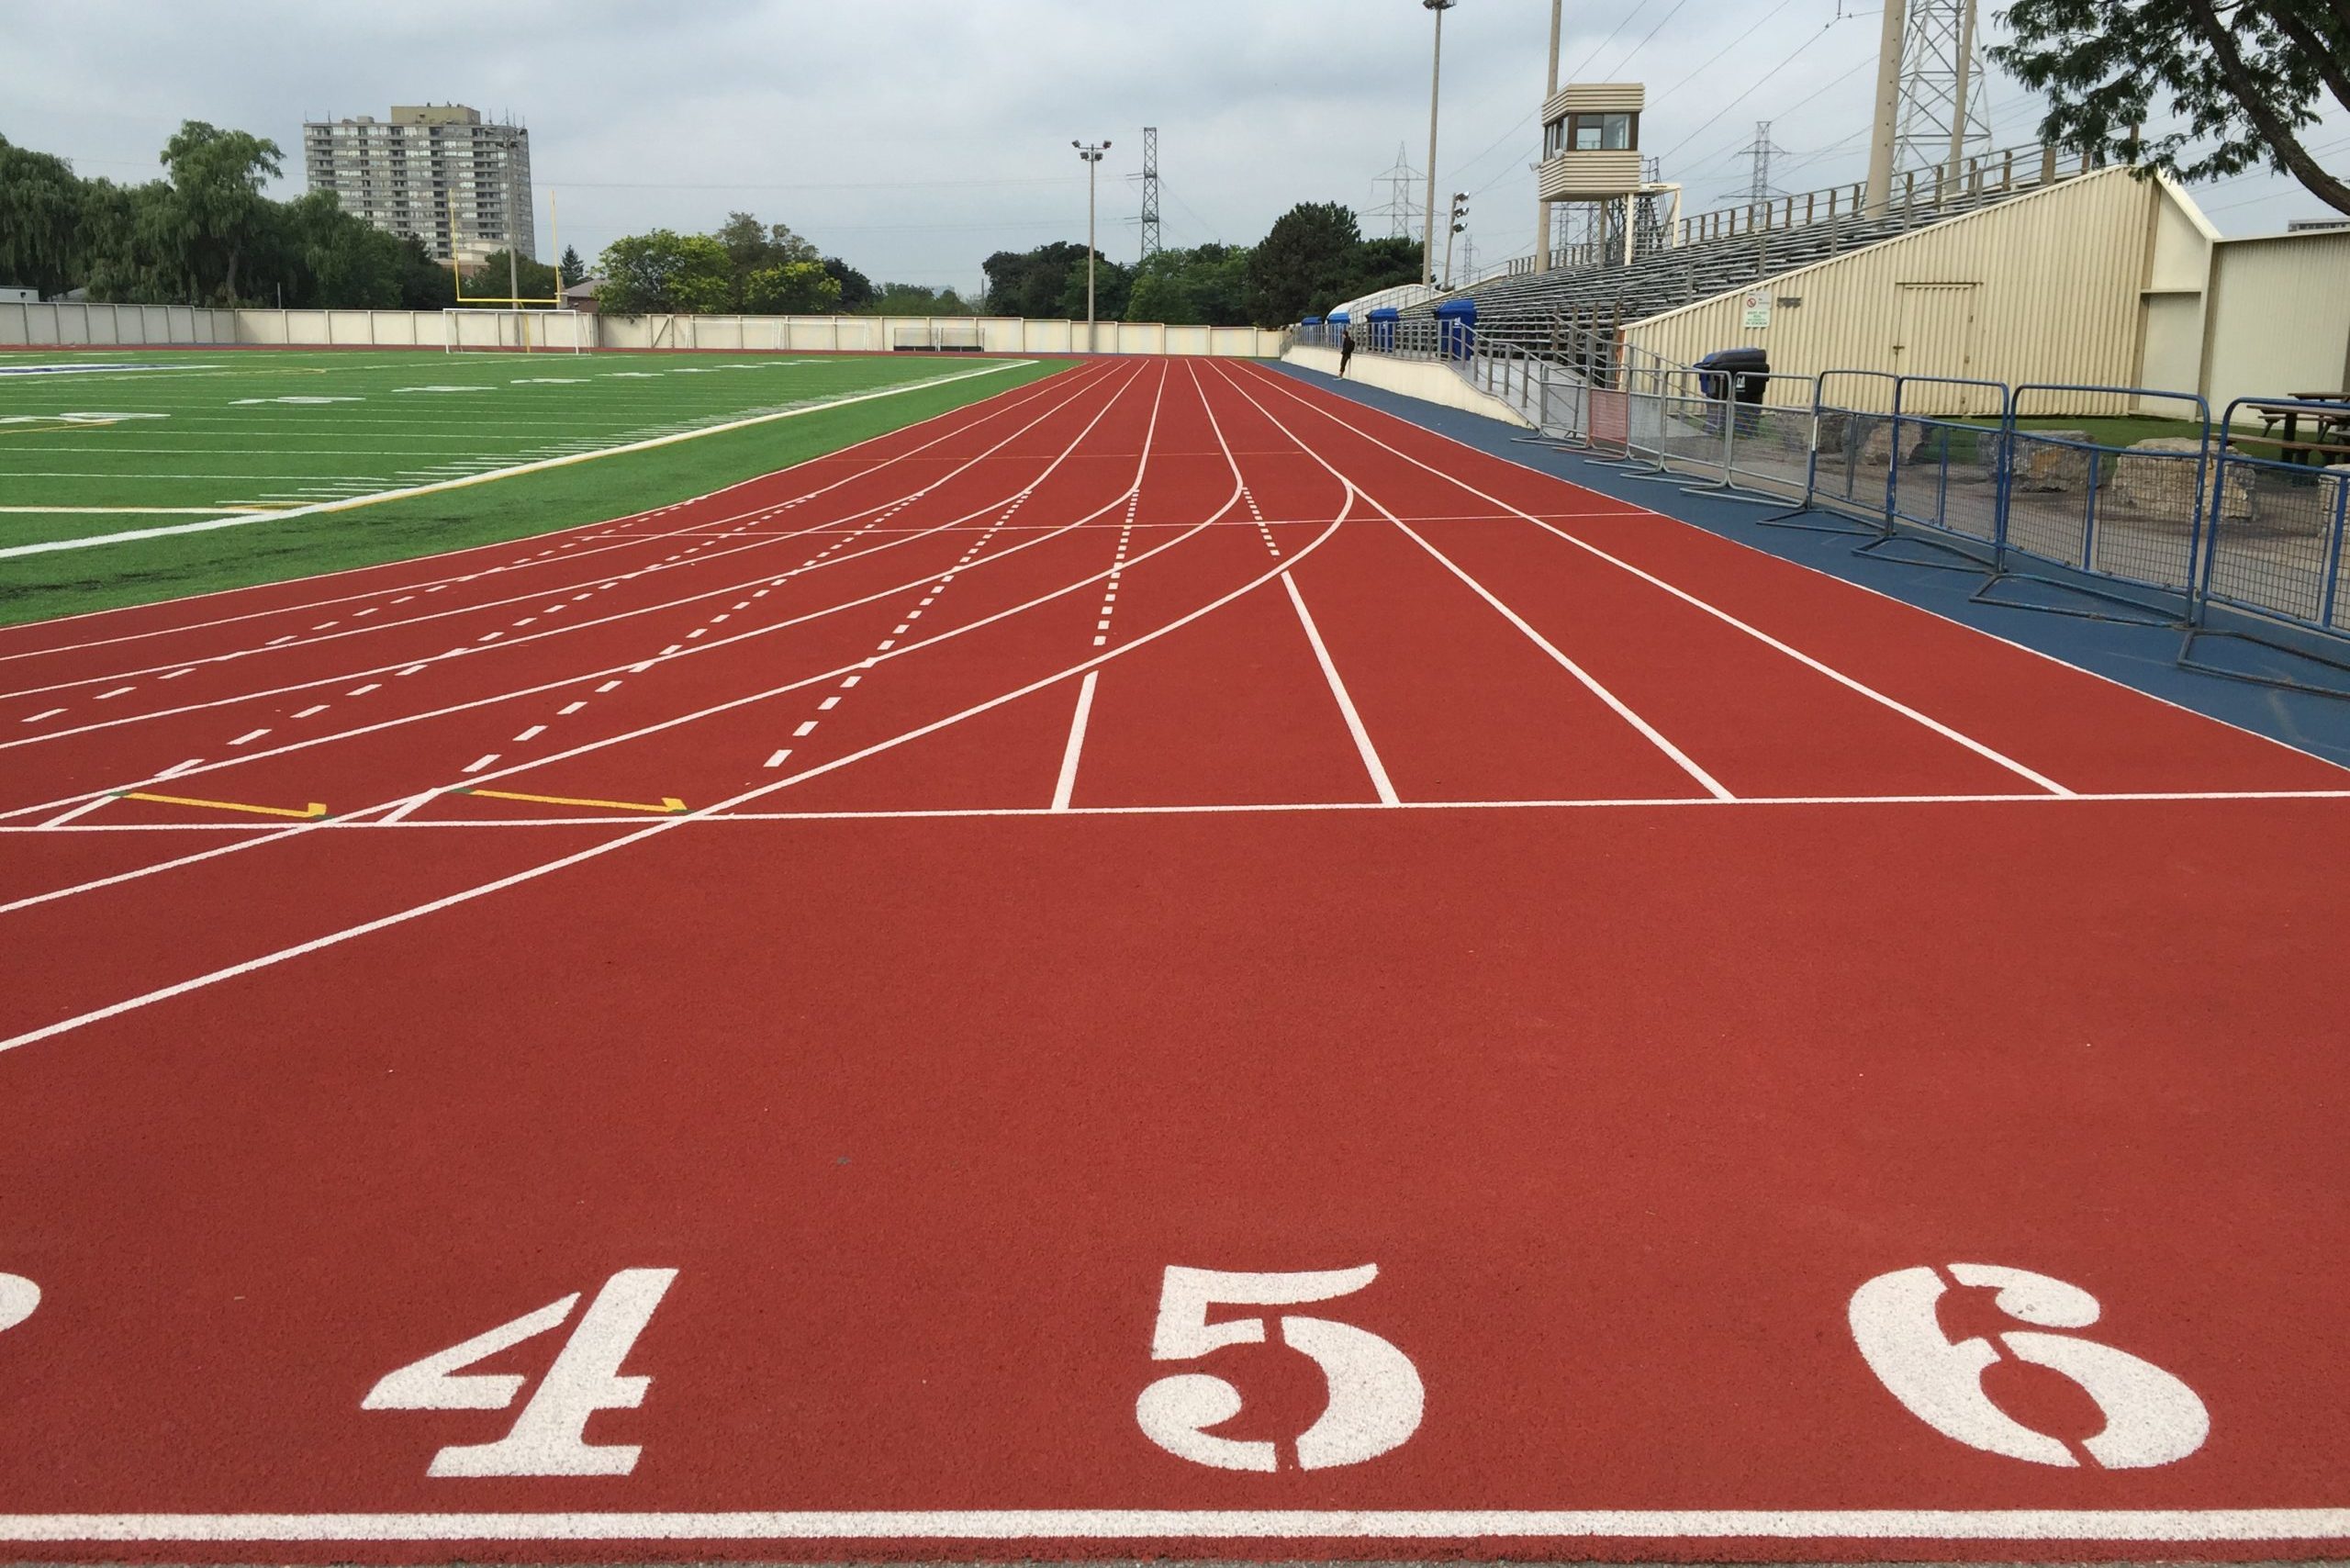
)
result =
(507, 328)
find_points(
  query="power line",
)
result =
(1759, 80)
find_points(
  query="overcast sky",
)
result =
(913, 137)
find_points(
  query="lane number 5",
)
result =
(2150, 1418)
(1375, 1392)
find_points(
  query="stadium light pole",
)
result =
(1091, 153)
(1436, 77)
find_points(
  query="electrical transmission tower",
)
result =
(1942, 115)
(1758, 154)
(1149, 192)
(1402, 210)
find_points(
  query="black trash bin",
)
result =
(1737, 374)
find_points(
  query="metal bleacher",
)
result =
(1735, 248)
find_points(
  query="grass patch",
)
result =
(68, 582)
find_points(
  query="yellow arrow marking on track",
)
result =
(670, 805)
(315, 810)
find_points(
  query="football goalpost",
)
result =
(514, 326)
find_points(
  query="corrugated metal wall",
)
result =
(2042, 289)
(2279, 318)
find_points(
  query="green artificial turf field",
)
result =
(146, 439)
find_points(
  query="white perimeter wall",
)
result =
(1429, 380)
(109, 326)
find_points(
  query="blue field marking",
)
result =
(2136, 656)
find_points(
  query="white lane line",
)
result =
(44, 714)
(805, 730)
(364, 691)
(249, 735)
(1591, 684)
(1849, 682)
(878, 1525)
(828, 704)
(118, 691)
(313, 708)
(249, 831)
(91, 804)
(775, 759)
(1363, 748)
(179, 767)
(526, 734)
(477, 764)
(568, 709)
(1066, 785)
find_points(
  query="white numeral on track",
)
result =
(2150, 1418)
(548, 1437)
(1375, 1392)
(18, 1297)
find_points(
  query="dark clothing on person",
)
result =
(1346, 351)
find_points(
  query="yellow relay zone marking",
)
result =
(670, 805)
(311, 812)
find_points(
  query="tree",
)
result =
(1302, 258)
(2243, 76)
(856, 289)
(326, 257)
(571, 269)
(1204, 286)
(791, 289)
(41, 211)
(425, 284)
(1033, 283)
(218, 211)
(666, 271)
(1111, 284)
(534, 278)
(915, 299)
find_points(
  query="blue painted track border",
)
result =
(2136, 656)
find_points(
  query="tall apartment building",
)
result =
(435, 170)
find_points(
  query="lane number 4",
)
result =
(1375, 1392)
(549, 1438)
(2150, 1418)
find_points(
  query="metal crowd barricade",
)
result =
(1762, 443)
(2273, 563)
(2123, 526)
(1848, 438)
(1942, 473)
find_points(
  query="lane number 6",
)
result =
(2151, 1416)
(1376, 1396)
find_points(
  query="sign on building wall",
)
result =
(1758, 308)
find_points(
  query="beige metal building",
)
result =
(2108, 279)
(435, 171)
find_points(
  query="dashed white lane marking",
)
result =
(118, 691)
(526, 734)
(804, 730)
(411, 669)
(249, 735)
(179, 767)
(364, 691)
(45, 713)
(1117, 566)
(775, 760)
(568, 709)
(1369, 753)
(1066, 785)
(274, 642)
(608, 686)
(313, 708)
(479, 763)
(189, 669)
(73, 812)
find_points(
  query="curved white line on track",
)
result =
(651, 540)
(765, 576)
(410, 800)
(668, 824)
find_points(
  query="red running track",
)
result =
(1163, 963)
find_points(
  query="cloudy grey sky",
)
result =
(913, 137)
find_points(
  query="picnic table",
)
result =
(2291, 448)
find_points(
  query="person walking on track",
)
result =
(1346, 348)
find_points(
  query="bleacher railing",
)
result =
(2005, 171)
(2192, 531)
